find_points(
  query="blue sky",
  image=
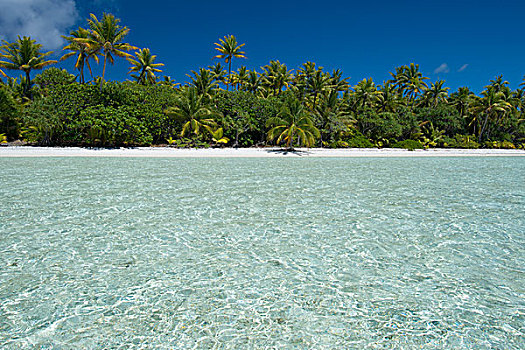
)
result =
(464, 42)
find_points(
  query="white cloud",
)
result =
(443, 68)
(463, 67)
(43, 20)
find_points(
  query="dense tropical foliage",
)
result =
(222, 106)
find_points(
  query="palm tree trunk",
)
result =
(229, 75)
(82, 72)
(104, 69)
(89, 67)
(291, 136)
(27, 88)
(482, 130)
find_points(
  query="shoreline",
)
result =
(273, 152)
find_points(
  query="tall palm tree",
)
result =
(498, 84)
(410, 81)
(518, 99)
(318, 83)
(435, 94)
(366, 93)
(82, 50)
(293, 122)
(168, 81)
(229, 48)
(461, 99)
(240, 78)
(204, 83)
(388, 100)
(337, 82)
(145, 65)
(276, 76)
(218, 73)
(106, 37)
(24, 54)
(308, 69)
(191, 109)
(332, 118)
(253, 82)
(303, 78)
(490, 107)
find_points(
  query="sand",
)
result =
(168, 152)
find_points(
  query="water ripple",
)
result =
(262, 253)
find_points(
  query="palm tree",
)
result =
(491, 106)
(303, 78)
(518, 99)
(318, 83)
(145, 66)
(228, 49)
(293, 122)
(218, 73)
(24, 54)
(240, 78)
(253, 82)
(499, 84)
(308, 69)
(409, 81)
(523, 83)
(366, 93)
(81, 49)
(106, 36)
(337, 82)
(388, 100)
(276, 76)
(168, 81)
(191, 109)
(461, 99)
(204, 83)
(332, 118)
(435, 94)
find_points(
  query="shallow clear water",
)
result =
(261, 253)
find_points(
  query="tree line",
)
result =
(307, 106)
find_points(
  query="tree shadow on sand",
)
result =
(285, 151)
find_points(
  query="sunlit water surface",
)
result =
(262, 253)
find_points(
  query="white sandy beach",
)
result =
(167, 152)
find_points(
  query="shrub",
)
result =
(110, 126)
(385, 125)
(443, 117)
(9, 115)
(408, 144)
(460, 141)
(245, 114)
(51, 78)
(499, 144)
(111, 114)
(359, 141)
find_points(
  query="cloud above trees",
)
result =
(463, 67)
(443, 68)
(43, 20)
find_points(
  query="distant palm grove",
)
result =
(220, 105)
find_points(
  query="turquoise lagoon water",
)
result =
(109, 253)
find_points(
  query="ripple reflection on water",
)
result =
(256, 253)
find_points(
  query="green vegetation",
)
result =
(24, 55)
(293, 122)
(241, 108)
